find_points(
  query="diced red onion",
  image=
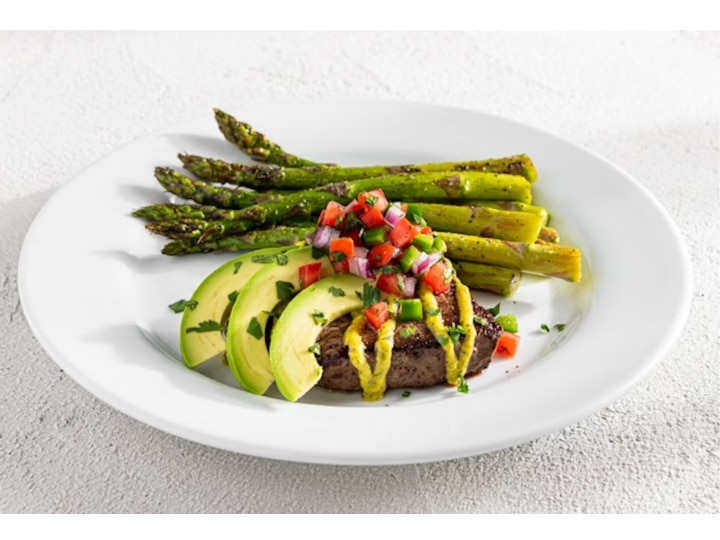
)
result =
(325, 235)
(394, 214)
(433, 258)
(409, 284)
(420, 264)
(361, 252)
(360, 267)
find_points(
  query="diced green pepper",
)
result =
(439, 245)
(408, 258)
(375, 236)
(424, 242)
(410, 309)
(508, 322)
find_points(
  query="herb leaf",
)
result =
(559, 327)
(482, 321)
(336, 291)
(282, 259)
(205, 326)
(319, 317)
(494, 310)
(454, 332)
(370, 295)
(233, 296)
(284, 290)
(180, 305)
(433, 311)
(545, 328)
(462, 385)
(254, 328)
(237, 266)
(315, 349)
(406, 393)
(407, 331)
(263, 259)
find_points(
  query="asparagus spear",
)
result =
(551, 260)
(267, 177)
(255, 144)
(274, 237)
(485, 277)
(502, 224)
(204, 193)
(482, 221)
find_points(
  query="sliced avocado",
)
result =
(247, 350)
(211, 301)
(292, 359)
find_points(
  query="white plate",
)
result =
(95, 291)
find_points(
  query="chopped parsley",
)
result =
(406, 393)
(180, 305)
(205, 326)
(557, 327)
(338, 256)
(233, 296)
(254, 328)
(388, 270)
(462, 385)
(370, 295)
(315, 349)
(454, 332)
(237, 266)
(263, 259)
(317, 253)
(482, 321)
(407, 332)
(285, 290)
(434, 311)
(494, 310)
(319, 317)
(336, 291)
(282, 259)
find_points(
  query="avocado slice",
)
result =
(247, 349)
(292, 359)
(212, 300)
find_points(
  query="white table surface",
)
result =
(647, 102)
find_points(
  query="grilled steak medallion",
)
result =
(417, 360)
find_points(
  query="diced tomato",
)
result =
(309, 274)
(390, 283)
(341, 249)
(372, 199)
(402, 234)
(341, 267)
(332, 215)
(355, 237)
(507, 344)
(439, 277)
(377, 314)
(372, 218)
(381, 255)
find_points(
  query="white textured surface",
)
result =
(648, 102)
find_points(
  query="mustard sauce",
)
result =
(466, 318)
(433, 320)
(372, 381)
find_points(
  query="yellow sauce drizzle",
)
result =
(372, 381)
(433, 320)
(455, 366)
(466, 319)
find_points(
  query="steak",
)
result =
(417, 360)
